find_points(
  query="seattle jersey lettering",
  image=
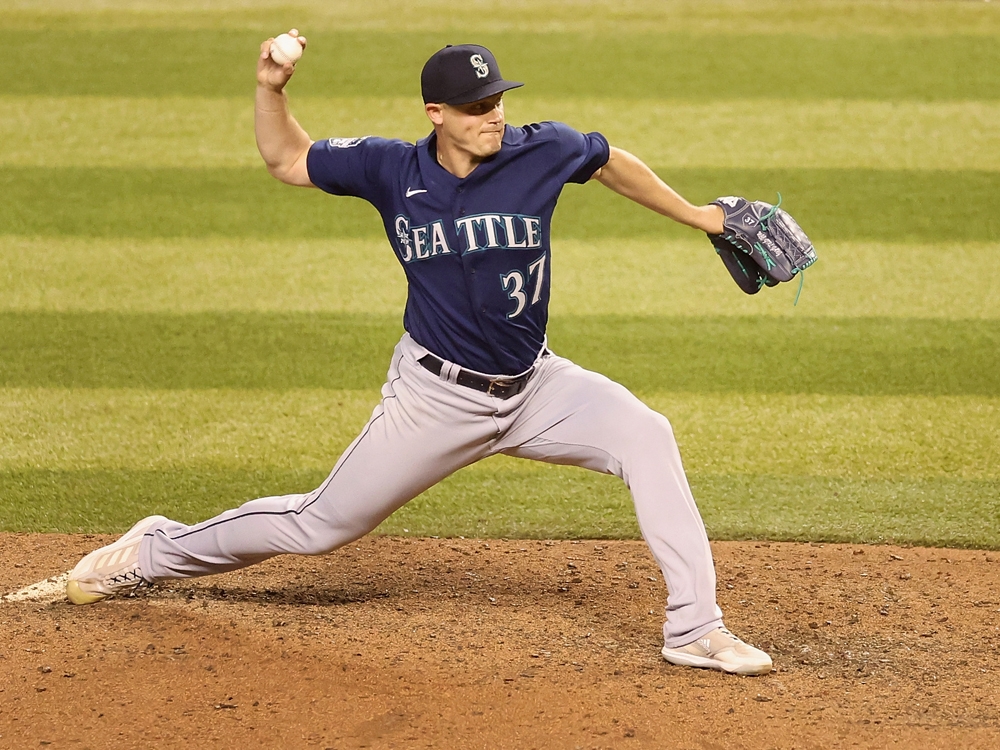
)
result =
(420, 243)
(479, 232)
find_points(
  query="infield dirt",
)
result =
(458, 643)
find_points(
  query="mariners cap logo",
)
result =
(462, 74)
(482, 69)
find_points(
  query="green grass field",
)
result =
(179, 332)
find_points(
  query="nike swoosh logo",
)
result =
(410, 192)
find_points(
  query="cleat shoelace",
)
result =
(130, 579)
(725, 631)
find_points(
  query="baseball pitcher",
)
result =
(467, 212)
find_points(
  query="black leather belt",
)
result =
(500, 387)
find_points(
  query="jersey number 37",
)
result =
(514, 284)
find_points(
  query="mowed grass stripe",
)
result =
(848, 204)
(767, 17)
(234, 350)
(865, 356)
(546, 502)
(200, 274)
(643, 276)
(158, 62)
(98, 131)
(573, 503)
(138, 428)
(940, 512)
(856, 437)
(612, 276)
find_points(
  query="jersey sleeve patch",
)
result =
(346, 142)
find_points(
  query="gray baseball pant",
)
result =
(427, 427)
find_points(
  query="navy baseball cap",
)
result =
(461, 74)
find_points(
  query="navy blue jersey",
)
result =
(475, 250)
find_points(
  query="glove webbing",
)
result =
(802, 272)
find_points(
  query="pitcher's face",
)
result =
(475, 128)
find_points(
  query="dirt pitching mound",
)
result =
(518, 644)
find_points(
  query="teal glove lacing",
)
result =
(801, 273)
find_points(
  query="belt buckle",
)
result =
(499, 383)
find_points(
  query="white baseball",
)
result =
(285, 49)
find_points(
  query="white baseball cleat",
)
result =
(720, 650)
(109, 570)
